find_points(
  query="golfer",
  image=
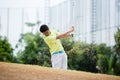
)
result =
(52, 39)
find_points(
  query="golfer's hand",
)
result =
(72, 29)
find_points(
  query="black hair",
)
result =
(43, 28)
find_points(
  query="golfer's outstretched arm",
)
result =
(66, 34)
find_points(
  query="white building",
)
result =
(95, 21)
(14, 14)
(104, 20)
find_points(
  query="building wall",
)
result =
(95, 21)
(104, 19)
(72, 13)
(13, 22)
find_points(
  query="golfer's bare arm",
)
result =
(66, 34)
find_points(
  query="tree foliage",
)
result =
(5, 50)
(35, 51)
(104, 56)
(78, 57)
(116, 56)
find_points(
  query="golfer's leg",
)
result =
(56, 61)
(64, 61)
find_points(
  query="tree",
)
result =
(32, 25)
(104, 58)
(5, 50)
(87, 58)
(116, 56)
(35, 51)
(29, 24)
(117, 40)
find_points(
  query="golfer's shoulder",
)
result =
(54, 31)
